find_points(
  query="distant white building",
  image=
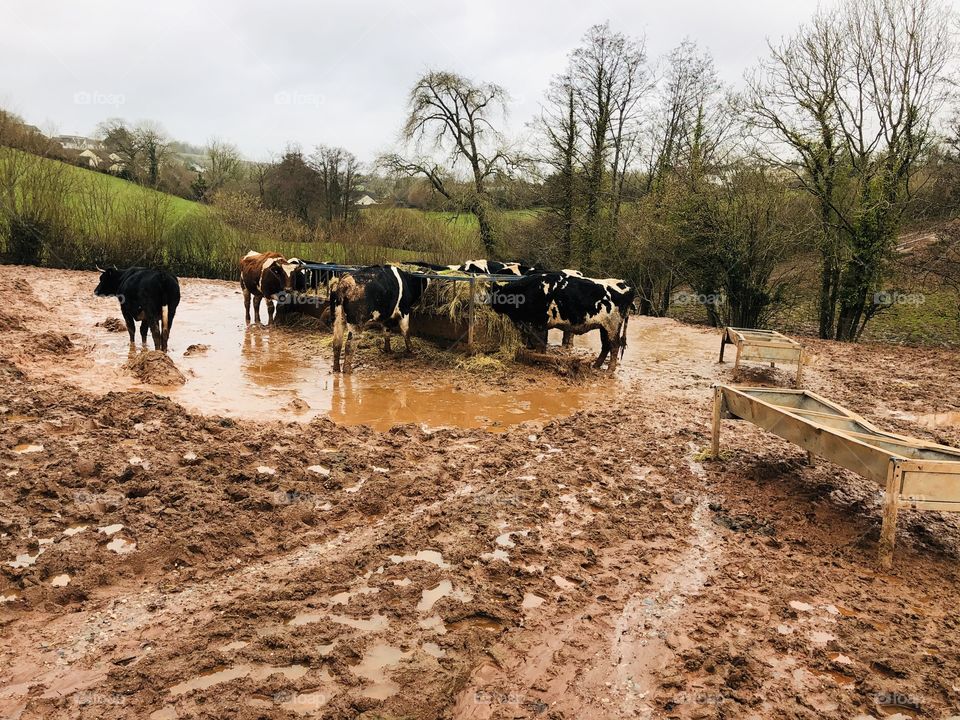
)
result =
(365, 201)
(78, 142)
(93, 160)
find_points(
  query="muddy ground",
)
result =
(239, 547)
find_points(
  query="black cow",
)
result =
(381, 295)
(573, 304)
(150, 296)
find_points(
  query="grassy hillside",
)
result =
(59, 215)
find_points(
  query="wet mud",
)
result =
(211, 550)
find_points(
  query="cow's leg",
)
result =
(155, 332)
(166, 322)
(604, 348)
(614, 353)
(131, 324)
(256, 308)
(567, 339)
(143, 330)
(405, 331)
(386, 339)
(339, 326)
(246, 305)
(270, 307)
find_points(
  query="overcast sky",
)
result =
(266, 74)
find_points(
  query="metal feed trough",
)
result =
(914, 473)
(422, 324)
(767, 345)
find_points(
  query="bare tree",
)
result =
(454, 116)
(559, 129)
(847, 105)
(223, 164)
(154, 148)
(608, 73)
(337, 170)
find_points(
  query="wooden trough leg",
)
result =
(888, 531)
(799, 368)
(715, 440)
(723, 345)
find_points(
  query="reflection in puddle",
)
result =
(444, 589)
(121, 546)
(222, 675)
(375, 623)
(27, 448)
(110, 529)
(235, 645)
(531, 601)
(344, 597)
(75, 530)
(498, 554)
(434, 623)
(60, 580)
(373, 668)
(24, 560)
(434, 650)
(841, 679)
(562, 583)
(428, 556)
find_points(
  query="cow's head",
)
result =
(109, 282)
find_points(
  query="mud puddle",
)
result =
(257, 371)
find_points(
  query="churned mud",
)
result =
(423, 540)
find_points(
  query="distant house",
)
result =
(78, 142)
(116, 164)
(92, 159)
(365, 201)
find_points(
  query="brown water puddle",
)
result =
(373, 668)
(257, 372)
(225, 674)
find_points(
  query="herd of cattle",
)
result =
(384, 296)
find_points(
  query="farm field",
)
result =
(440, 539)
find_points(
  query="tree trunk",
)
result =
(479, 210)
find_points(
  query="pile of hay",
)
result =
(452, 299)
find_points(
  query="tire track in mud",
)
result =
(607, 660)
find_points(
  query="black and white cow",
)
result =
(495, 267)
(381, 295)
(150, 296)
(570, 303)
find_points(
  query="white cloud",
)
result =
(225, 68)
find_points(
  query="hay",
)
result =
(452, 300)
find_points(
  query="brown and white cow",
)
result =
(264, 276)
